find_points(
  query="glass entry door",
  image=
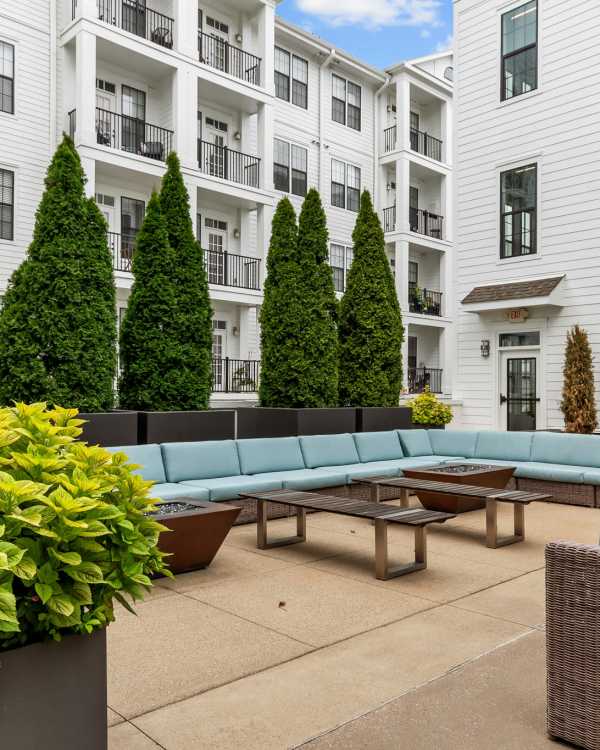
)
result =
(521, 396)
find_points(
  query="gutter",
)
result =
(376, 141)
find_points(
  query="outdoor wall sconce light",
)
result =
(236, 233)
(239, 38)
(485, 348)
(237, 135)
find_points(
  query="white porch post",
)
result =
(86, 9)
(185, 116)
(402, 194)
(192, 190)
(402, 112)
(266, 45)
(264, 215)
(245, 331)
(85, 88)
(186, 27)
(265, 145)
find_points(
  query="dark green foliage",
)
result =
(191, 315)
(150, 354)
(370, 324)
(58, 322)
(578, 397)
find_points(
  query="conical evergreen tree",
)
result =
(58, 320)
(192, 312)
(370, 323)
(318, 329)
(150, 354)
(578, 397)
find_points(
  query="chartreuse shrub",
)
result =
(74, 534)
(428, 409)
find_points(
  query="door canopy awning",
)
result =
(544, 292)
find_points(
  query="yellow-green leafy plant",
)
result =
(428, 409)
(75, 534)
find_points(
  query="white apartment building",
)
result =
(528, 190)
(256, 109)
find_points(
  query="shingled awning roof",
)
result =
(540, 290)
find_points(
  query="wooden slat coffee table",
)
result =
(382, 515)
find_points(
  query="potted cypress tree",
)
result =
(578, 403)
(75, 537)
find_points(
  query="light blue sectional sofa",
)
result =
(221, 470)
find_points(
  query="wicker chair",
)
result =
(573, 642)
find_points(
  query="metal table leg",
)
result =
(261, 528)
(383, 571)
(491, 525)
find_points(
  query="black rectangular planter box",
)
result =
(378, 419)
(53, 695)
(262, 422)
(110, 428)
(186, 426)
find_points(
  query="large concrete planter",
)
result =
(378, 419)
(53, 695)
(266, 422)
(110, 428)
(186, 426)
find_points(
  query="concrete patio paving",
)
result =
(302, 647)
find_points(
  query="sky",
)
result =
(380, 32)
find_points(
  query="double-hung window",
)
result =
(291, 78)
(345, 185)
(345, 102)
(7, 205)
(290, 168)
(340, 260)
(7, 78)
(519, 50)
(518, 209)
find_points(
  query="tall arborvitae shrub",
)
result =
(319, 327)
(578, 397)
(283, 379)
(150, 354)
(191, 316)
(58, 320)
(370, 323)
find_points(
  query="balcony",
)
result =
(389, 219)
(235, 375)
(228, 269)
(128, 134)
(424, 301)
(227, 164)
(121, 247)
(421, 377)
(221, 55)
(389, 139)
(135, 17)
(426, 145)
(427, 223)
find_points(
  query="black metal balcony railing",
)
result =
(427, 223)
(121, 247)
(235, 375)
(421, 377)
(135, 16)
(228, 269)
(389, 219)
(389, 139)
(424, 301)
(224, 162)
(426, 144)
(220, 54)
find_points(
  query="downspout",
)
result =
(325, 64)
(377, 140)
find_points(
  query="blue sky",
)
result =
(381, 32)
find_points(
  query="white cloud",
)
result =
(445, 44)
(375, 13)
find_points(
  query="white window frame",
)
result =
(346, 82)
(347, 167)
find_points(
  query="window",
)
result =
(290, 68)
(520, 339)
(132, 217)
(519, 51)
(345, 102)
(345, 185)
(7, 78)
(413, 273)
(340, 260)
(518, 203)
(290, 162)
(7, 204)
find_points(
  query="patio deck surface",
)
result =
(302, 647)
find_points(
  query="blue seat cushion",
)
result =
(453, 442)
(308, 479)
(507, 446)
(149, 458)
(261, 455)
(229, 488)
(591, 475)
(492, 462)
(200, 460)
(170, 491)
(550, 472)
(367, 469)
(415, 442)
(573, 450)
(378, 446)
(329, 450)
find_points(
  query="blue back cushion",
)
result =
(329, 450)
(416, 442)
(204, 460)
(505, 446)
(261, 455)
(378, 446)
(148, 457)
(576, 450)
(453, 442)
